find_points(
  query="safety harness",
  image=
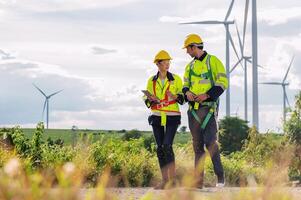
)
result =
(212, 105)
(163, 103)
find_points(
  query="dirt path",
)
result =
(189, 193)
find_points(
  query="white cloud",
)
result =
(171, 19)
(274, 16)
(99, 50)
(58, 5)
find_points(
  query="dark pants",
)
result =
(208, 138)
(164, 139)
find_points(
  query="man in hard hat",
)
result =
(204, 81)
(163, 96)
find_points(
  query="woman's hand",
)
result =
(154, 99)
(170, 95)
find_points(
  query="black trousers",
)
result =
(164, 137)
(208, 138)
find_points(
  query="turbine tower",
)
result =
(226, 23)
(283, 84)
(245, 59)
(255, 116)
(46, 103)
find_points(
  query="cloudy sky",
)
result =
(100, 53)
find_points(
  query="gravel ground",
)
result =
(187, 193)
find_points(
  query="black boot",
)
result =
(163, 168)
(170, 161)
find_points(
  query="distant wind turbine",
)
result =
(226, 23)
(46, 103)
(284, 83)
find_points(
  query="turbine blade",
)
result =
(233, 45)
(289, 67)
(203, 22)
(44, 107)
(55, 93)
(229, 10)
(260, 66)
(39, 90)
(286, 98)
(245, 22)
(271, 83)
(235, 65)
(239, 39)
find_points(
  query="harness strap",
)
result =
(212, 105)
(163, 103)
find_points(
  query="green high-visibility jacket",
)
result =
(197, 78)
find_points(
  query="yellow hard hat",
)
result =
(192, 39)
(162, 55)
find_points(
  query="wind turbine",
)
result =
(46, 103)
(245, 59)
(284, 83)
(226, 23)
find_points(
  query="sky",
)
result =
(100, 53)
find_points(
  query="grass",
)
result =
(67, 134)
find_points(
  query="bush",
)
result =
(133, 134)
(127, 160)
(261, 148)
(149, 143)
(233, 132)
(293, 132)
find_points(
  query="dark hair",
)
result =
(200, 45)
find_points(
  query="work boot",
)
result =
(200, 181)
(164, 172)
(161, 186)
(172, 174)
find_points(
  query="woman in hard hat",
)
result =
(163, 96)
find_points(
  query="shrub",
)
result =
(260, 149)
(127, 159)
(293, 132)
(133, 134)
(233, 132)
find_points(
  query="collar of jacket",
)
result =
(202, 56)
(168, 75)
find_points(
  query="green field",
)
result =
(67, 134)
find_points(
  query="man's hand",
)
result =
(190, 96)
(200, 98)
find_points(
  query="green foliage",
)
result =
(293, 132)
(20, 142)
(233, 132)
(36, 143)
(293, 125)
(128, 158)
(260, 148)
(55, 155)
(149, 143)
(133, 134)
